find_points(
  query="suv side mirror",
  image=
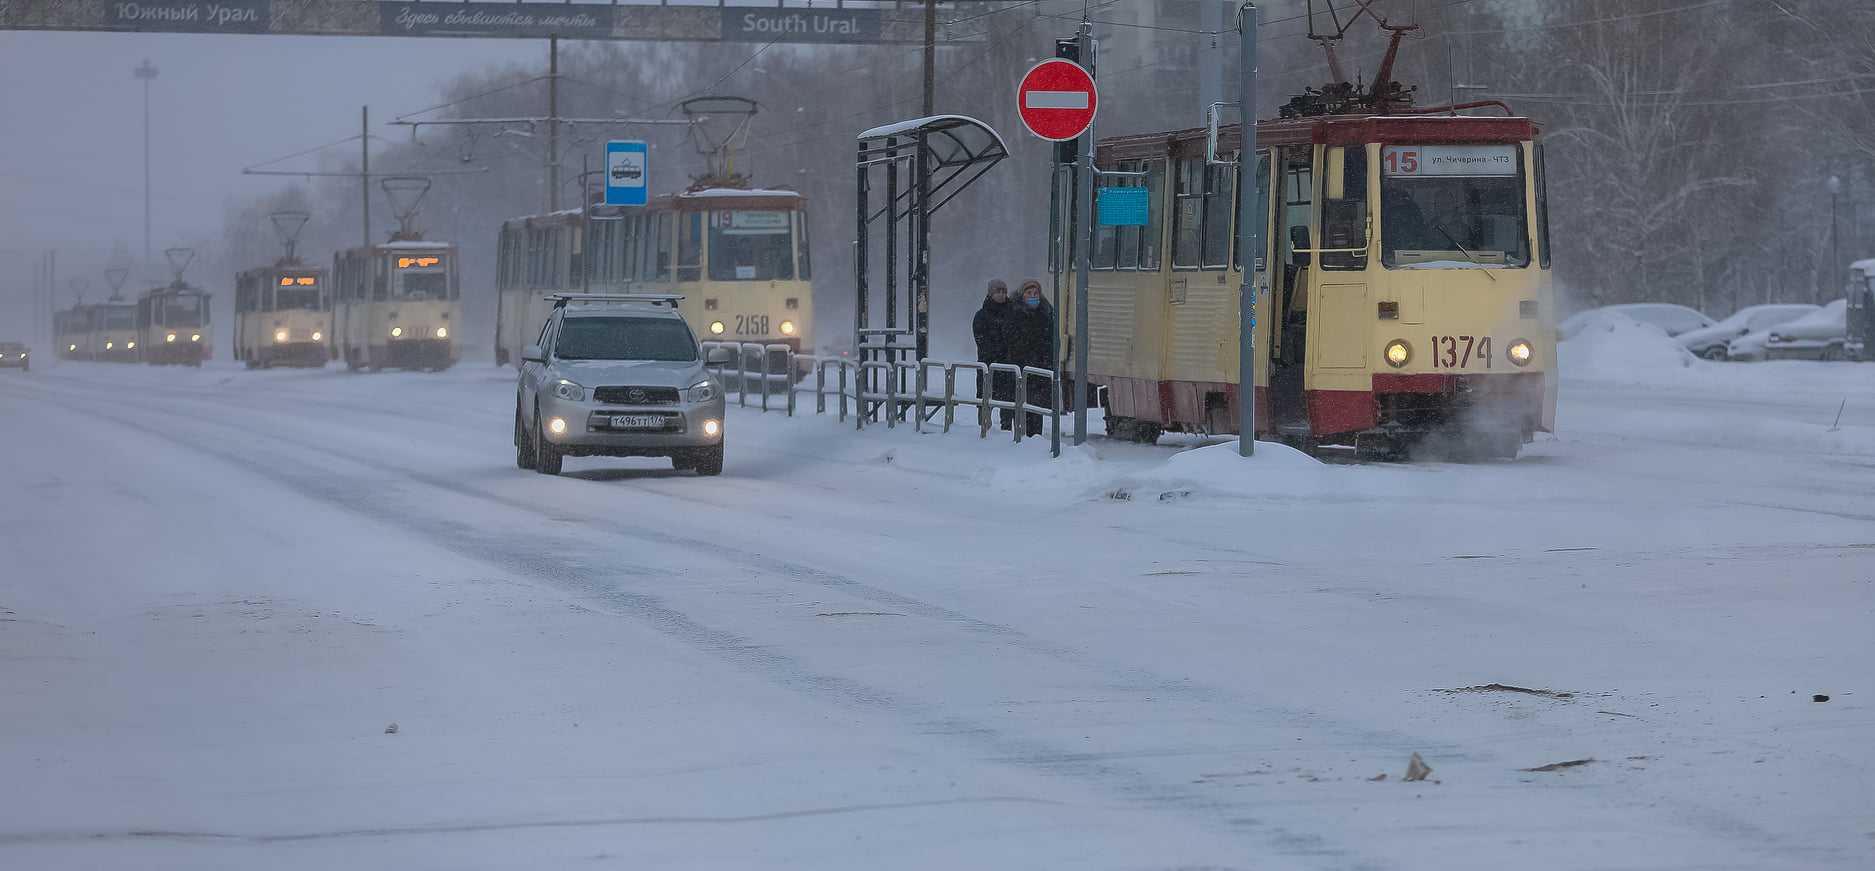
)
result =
(533, 354)
(717, 357)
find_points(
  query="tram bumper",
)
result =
(420, 354)
(297, 354)
(1490, 406)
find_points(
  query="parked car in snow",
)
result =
(1818, 335)
(14, 355)
(1711, 342)
(1674, 319)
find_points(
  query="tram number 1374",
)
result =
(751, 325)
(1457, 352)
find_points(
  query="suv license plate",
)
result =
(638, 421)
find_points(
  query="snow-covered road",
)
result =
(883, 649)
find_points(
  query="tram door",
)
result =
(1295, 181)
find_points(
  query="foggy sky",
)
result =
(71, 129)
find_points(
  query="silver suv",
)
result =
(617, 376)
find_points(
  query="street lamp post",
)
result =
(147, 72)
(1835, 246)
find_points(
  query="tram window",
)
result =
(296, 297)
(751, 246)
(1344, 220)
(1151, 234)
(1219, 198)
(803, 264)
(690, 247)
(661, 270)
(1106, 245)
(1452, 218)
(1188, 213)
(380, 279)
(1542, 207)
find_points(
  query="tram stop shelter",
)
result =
(923, 163)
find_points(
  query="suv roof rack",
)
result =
(561, 299)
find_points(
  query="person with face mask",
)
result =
(992, 325)
(1031, 344)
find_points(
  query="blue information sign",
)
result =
(627, 173)
(1124, 207)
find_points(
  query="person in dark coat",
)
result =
(992, 327)
(1031, 343)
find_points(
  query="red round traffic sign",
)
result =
(1057, 100)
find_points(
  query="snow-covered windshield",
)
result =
(625, 338)
(751, 246)
(1460, 203)
(182, 311)
(119, 317)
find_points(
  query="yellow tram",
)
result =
(282, 316)
(71, 331)
(114, 335)
(739, 257)
(1403, 284)
(397, 305)
(172, 326)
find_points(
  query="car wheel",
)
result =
(708, 461)
(523, 452)
(547, 456)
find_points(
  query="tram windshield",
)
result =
(121, 317)
(750, 245)
(184, 310)
(618, 338)
(297, 292)
(422, 276)
(1453, 206)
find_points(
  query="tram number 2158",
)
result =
(751, 325)
(1457, 352)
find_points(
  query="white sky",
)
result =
(71, 114)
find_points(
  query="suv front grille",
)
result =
(635, 395)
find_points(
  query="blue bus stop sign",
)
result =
(627, 173)
(1124, 206)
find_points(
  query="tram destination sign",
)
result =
(648, 20)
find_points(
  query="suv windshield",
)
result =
(1443, 205)
(625, 338)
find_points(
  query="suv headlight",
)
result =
(569, 391)
(702, 391)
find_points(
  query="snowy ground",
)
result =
(218, 589)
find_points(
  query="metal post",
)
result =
(891, 235)
(1084, 210)
(930, 58)
(553, 124)
(585, 224)
(1249, 241)
(147, 72)
(364, 169)
(920, 320)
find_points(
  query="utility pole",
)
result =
(147, 72)
(930, 58)
(364, 171)
(553, 124)
(1084, 216)
(1249, 241)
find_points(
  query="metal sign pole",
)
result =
(1249, 240)
(1083, 209)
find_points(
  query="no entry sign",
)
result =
(1057, 100)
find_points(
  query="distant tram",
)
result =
(1403, 283)
(398, 305)
(739, 257)
(97, 331)
(71, 332)
(283, 312)
(172, 325)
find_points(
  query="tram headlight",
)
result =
(132, 346)
(71, 347)
(787, 328)
(316, 336)
(279, 336)
(569, 391)
(1399, 353)
(109, 345)
(1520, 352)
(442, 332)
(397, 332)
(195, 337)
(717, 328)
(702, 391)
(171, 338)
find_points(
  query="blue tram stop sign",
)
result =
(627, 173)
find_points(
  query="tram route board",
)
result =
(622, 21)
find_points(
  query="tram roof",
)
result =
(1330, 130)
(1866, 267)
